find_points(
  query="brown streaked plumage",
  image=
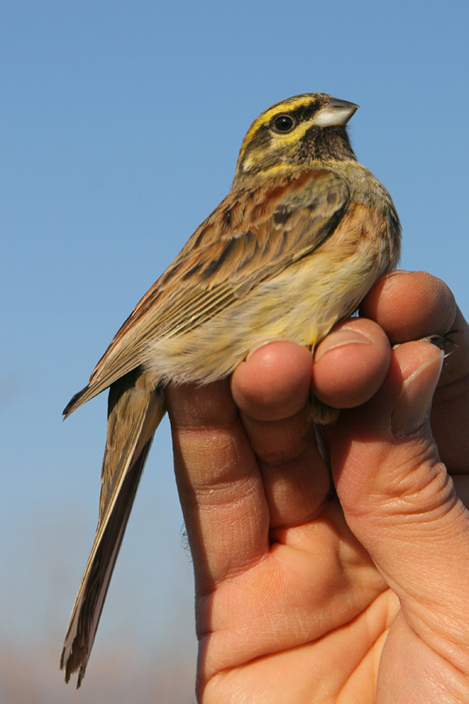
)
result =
(294, 247)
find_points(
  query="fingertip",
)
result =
(274, 382)
(351, 363)
(410, 305)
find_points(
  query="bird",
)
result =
(303, 234)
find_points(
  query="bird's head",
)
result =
(295, 132)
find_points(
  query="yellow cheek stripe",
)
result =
(271, 170)
(293, 136)
(278, 141)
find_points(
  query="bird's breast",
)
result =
(301, 303)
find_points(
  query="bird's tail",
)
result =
(135, 411)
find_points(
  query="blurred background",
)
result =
(120, 125)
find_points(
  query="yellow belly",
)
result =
(301, 303)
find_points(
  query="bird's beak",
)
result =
(335, 112)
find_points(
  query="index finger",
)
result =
(413, 305)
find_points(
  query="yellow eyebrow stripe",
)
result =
(266, 116)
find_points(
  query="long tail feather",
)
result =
(135, 411)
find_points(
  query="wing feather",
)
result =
(250, 237)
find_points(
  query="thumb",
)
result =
(400, 502)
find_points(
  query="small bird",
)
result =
(299, 240)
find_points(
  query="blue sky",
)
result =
(120, 124)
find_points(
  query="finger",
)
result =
(414, 305)
(219, 484)
(351, 363)
(400, 503)
(271, 389)
(274, 382)
(410, 306)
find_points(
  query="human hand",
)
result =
(296, 593)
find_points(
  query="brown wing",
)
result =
(250, 237)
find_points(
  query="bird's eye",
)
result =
(283, 123)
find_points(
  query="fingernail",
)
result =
(345, 336)
(415, 399)
(396, 272)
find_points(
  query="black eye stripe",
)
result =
(283, 123)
